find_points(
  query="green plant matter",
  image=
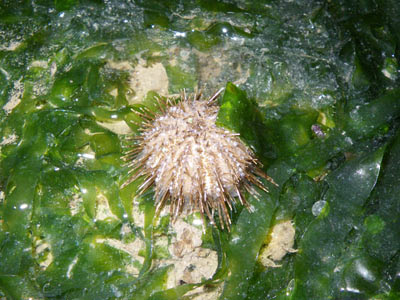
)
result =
(311, 86)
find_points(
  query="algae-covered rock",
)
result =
(312, 87)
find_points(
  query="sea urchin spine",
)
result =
(191, 161)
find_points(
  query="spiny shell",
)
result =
(191, 161)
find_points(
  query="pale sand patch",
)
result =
(137, 214)
(39, 64)
(12, 138)
(13, 45)
(191, 263)
(281, 243)
(120, 65)
(43, 253)
(103, 210)
(75, 204)
(15, 98)
(143, 79)
(118, 127)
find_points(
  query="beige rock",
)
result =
(143, 79)
(191, 263)
(118, 127)
(15, 98)
(281, 243)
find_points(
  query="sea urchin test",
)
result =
(190, 161)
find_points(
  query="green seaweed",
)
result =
(311, 86)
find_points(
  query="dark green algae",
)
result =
(295, 65)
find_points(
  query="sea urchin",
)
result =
(190, 160)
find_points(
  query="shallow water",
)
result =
(72, 74)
